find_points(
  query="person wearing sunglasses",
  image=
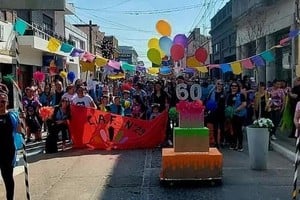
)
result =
(237, 101)
(9, 126)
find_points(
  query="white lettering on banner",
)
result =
(183, 92)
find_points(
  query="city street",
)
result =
(107, 175)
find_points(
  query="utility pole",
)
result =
(91, 43)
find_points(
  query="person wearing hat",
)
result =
(126, 103)
(9, 126)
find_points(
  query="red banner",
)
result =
(102, 130)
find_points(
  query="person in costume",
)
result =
(9, 126)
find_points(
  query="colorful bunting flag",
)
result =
(258, 61)
(20, 26)
(293, 33)
(268, 56)
(87, 66)
(211, 66)
(87, 56)
(236, 67)
(128, 67)
(114, 64)
(53, 44)
(225, 68)
(100, 61)
(67, 48)
(247, 64)
(116, 76)
(284, 41)
(76, 52)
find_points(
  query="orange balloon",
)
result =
(164, 28)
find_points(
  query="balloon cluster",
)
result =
(165, 47)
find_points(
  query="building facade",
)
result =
(223, 37)
(260, 25)
(96, 37)
(110, 47)
(128, 54)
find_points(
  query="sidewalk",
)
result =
(284, 145)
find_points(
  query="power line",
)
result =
(146, 12)
(116, 23)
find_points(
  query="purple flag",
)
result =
(258, 61)
(76, 52)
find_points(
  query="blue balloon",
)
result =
(165, 70)
(71, 76)
(211, 105)
(165, 44)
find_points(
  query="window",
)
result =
(47, 22)
(82, 44)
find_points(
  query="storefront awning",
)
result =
(7, 59)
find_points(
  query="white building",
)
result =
(79, 40)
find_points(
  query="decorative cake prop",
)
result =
(191, 139)
(191, 166)
(191, 114)
(191, 158)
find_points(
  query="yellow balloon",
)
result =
(164, 28)
(154, 56)
(193, 62)
(153, 70)
(153, 43)
(63, 74)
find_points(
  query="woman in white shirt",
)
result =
(83, 99)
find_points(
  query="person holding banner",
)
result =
(9, 123)
(83, 99)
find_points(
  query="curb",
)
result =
(283, 151)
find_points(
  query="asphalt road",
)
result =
(134, 174)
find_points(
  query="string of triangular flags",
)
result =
(259, 60)
(88, 61)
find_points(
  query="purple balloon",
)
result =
(180, 39)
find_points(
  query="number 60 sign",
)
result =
(183, 91)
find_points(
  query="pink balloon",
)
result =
(177, 52)
(201, 54)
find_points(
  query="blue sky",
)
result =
(132, 22)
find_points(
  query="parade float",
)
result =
(191, 158)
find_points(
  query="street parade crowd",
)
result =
(230, 106)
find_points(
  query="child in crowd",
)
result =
(155, 111)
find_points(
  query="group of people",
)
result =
(237, 104)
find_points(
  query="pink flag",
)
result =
(247, 64)
(284, 41)
(88, 57)
(114, 64)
